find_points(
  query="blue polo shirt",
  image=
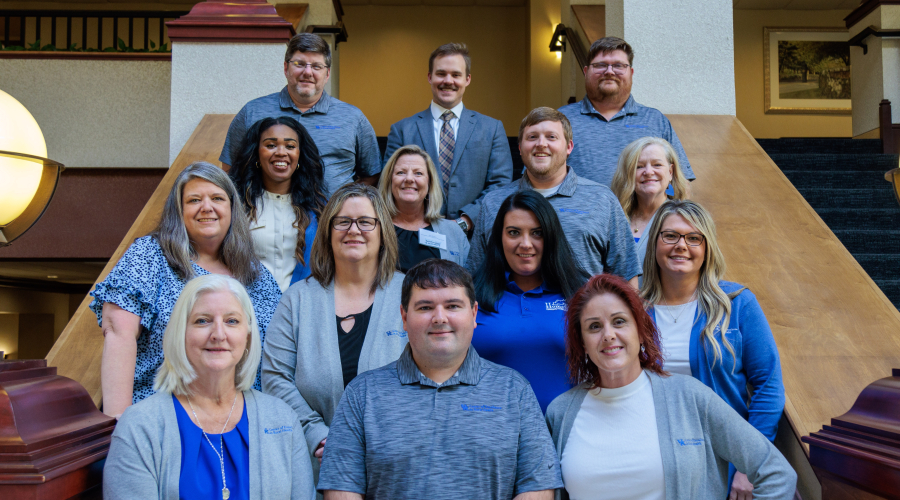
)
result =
(396, 434)
(527, 334)
(599, 142)
(344, 137)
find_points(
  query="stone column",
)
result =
(874, 74)
(684, 53)
(224, 54)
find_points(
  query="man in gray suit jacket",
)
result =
(470, 150)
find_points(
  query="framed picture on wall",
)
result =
(806, 71)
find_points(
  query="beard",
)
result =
(619, 92)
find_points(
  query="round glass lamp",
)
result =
(27, 178)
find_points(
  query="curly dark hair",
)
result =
(307, 187)
(581, 368)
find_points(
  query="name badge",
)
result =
(432, 239)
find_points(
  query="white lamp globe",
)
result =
(19, 179)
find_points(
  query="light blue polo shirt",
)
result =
(527, 334)
(599, 142)
(396, 434)
(342, 133)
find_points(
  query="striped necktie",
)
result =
(445, 149)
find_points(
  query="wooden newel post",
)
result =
(888, 142)
(858, 455)
(53, 440)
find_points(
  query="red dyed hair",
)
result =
(581, 368)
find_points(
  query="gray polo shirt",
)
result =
(599, 142)
(345, 138)
(397, 434)
(591, 217)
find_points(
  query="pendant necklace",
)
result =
(221, 451)
(675, 318)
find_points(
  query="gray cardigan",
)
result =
(699, 434)
(457, 243)
(144, 458)
(302, 359)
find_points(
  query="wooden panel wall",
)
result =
(79, 348)
(836, 331)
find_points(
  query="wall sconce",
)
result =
(29, 178)
(558, 42)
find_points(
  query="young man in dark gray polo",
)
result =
(440, 422)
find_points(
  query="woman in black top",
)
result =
(411, 189)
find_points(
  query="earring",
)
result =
(257, 164)
(246, 352)
(643, 349)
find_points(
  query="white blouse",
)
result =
(675, 324)
(612, 452)
(275, 237)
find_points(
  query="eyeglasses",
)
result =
(363, 223)
(618, 68)
(671, 238)
(303, 65)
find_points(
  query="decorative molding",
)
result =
(866, 8)
(247, 21)
(85, 56)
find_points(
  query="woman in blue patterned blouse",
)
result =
(202, 230)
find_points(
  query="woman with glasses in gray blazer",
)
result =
(309, 357)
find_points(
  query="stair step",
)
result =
(870, 240)
(891, 289)
(880, 266)
(821, 145)
(874, 218)
(836, 179)
(826, 162)
(849, 199)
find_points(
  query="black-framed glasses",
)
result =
(363, 223)
(618, 68)
(671, 238)
(301, 65)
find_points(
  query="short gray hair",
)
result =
(435, 200)
(176, 372)
(308, 42)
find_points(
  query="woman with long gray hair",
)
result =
(202, 230)
(711, 329)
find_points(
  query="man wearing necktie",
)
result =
(470, 150)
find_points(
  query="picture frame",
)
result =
(806, 71)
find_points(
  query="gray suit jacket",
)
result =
(457, 243)
(302, 361)
(481, 158)
(144, 458)
(699, 434)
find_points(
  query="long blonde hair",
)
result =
(623, 183)
(712, 300)
(434, 201)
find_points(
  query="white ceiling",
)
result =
(456, 3)
(796, 4)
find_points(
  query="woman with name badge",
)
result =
(711, 329)
(647, 175)
(411, 190)
(528, 273)
(280, 178)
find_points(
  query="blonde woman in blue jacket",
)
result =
(692, 306)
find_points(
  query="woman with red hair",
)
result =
(621, 432)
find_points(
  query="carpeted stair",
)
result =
(843, 180)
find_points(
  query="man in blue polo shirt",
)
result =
(608, 118)
(345, 138)
(440, 423)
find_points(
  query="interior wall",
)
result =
(9, 334)
(748, 75)
(384, 64)
(17, 302)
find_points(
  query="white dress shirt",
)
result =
(275, 237)
(436, 112)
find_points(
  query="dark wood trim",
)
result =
(865, 9)
(247, 21)
(857, 41)
(890, 132)
(86, 56)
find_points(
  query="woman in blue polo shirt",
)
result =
(528, 273)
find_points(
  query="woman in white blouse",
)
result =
(280, 177)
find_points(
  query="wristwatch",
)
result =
(463, 225)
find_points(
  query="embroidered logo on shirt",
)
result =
(484, 408)
(326, 127)
(279, 430)
(689, 442)
(399, 333)
(453, 253)
(556, 305)
(574, 211)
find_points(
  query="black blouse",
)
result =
(350, 343)
(411, 252)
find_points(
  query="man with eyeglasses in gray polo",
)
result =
(342, 133)
(608, 118)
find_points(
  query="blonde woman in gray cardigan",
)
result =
(206, 433)
(341, 321)
(630, 430)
